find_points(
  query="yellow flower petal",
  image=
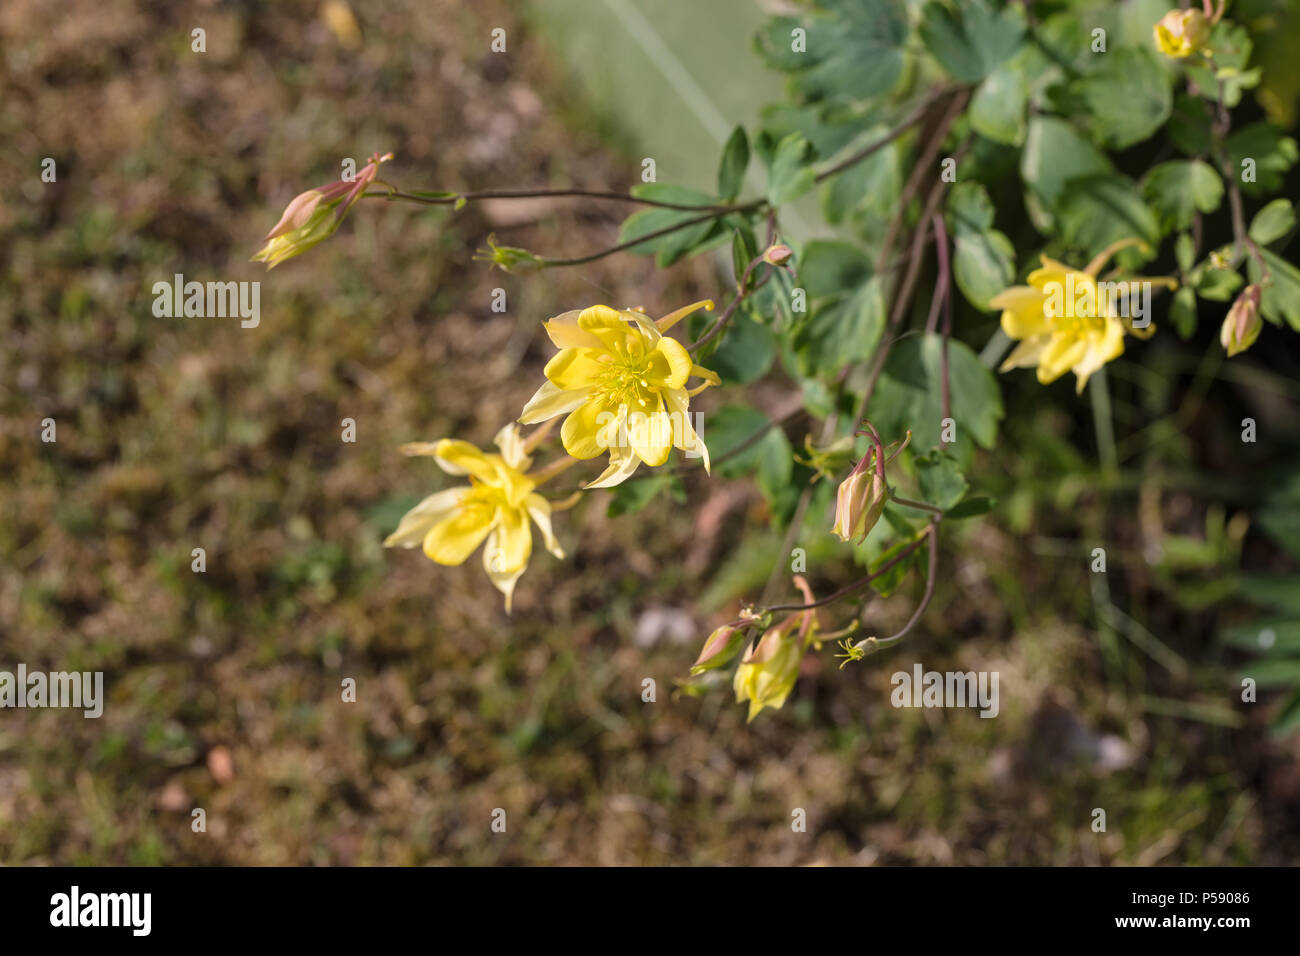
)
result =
(585, 429)
(575, 369)
(565, 333)
(1027, 353)
(454, 539)
(415, 524)
(651, 436)
(1063, 352)
(539, 509)
(510, 544)
(684, 434)
(548, 401)
(670, 364)
(457, 457)
(622, 465)
(511, 442)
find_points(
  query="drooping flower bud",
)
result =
(723, 644)
(1182, 33)
(777, 255)
(859, 502)
(1242, 325)
(313, 216)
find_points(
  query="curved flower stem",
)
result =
(919, 505)
(925, 598)
(539, 435)
(548, 262)
(461, 198)
(850, 588)
(730, 310)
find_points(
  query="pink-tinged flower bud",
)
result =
(777, 255)
(313, 216)
(859, 502)
(1242, 326)
(723, 644)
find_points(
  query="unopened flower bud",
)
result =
(859, 502)
(777, 255)
(723, 644)
(313, 216)
(1242, 325)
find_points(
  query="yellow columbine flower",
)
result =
(496, 505)
(1181, 33)
(313, 216)
(1065, 321)
(769, 669)
(622, 383)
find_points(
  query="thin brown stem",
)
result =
(849, 588)
(455, 198)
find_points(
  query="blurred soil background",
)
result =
(223, 688)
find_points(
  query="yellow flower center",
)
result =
(624, 381)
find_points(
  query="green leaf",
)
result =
(744, 250)
(1280, 517)
(1271, 152)
(672, 246)
(909, 395)
(969, 207)
(1184, 251)
(746, 352)
(1231, 44)
(983, 258)
(1281, 591)
(832, 267)
(1054, 154)
(790, 175)
(1177, 190)
(631, 496)
(853, 51)
(1218, 285)
(1273, 222)
(1274, 672)
(872, 184)
(941, 481)
(971, 508)
(887, 583)
(735, 160)
(769, 458)
(1189, 125)
(1182, 312)
(983, 265)
(997, 110)
(1279, 300)
(1128, 96)
(971, 40)
(1288, 719)
(845, 328)
(1269, 636)
(1095, 211)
